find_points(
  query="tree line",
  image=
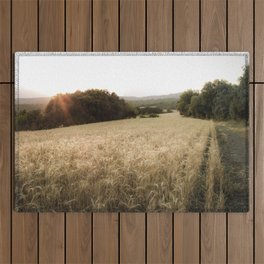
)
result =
(217, 100)
(77, 108)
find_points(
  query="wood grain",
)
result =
(213, 25)
(51, 38)
(259, 179)
(78, 239)
(259, 40)
(186, 25)
(213, 238)
(159, 238)
(259, 128)
(240, 28)
(51, 25)
(105, 38)
(51, 238)
(240, 225)
(213, 38)
(24, 38)
(105, 21)
(78, 38)
(186, 238)
(78, 25)
(132, 38)
(25, 238)
(186, 38)
(105, 238)
(159, 25)
(132, 25)
(132, 238)
(24, 25)
(5, 45)
(5, 184)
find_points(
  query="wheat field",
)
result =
(168, 163)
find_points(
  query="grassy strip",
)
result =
(233, 146)
(214, 177)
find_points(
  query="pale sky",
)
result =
(126, 75)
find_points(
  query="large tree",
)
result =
(85, 107)
(239, 108)
(222, 100)
(218, 100)
(184, 102)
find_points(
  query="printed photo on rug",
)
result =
(131, 132)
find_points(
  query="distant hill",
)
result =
(36, 100)
(152, 97)
(30, 104)
(163, 101)
(167, 101)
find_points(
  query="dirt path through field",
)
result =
(233, 143)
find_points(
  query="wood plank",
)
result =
(259, 40)
(213, 25)
(186, 25)
(240, 28)
(159, 238)
(186, 226)
(259, 139)
(132, 25)
(213, 38)
(159, 38)
(24, 38)
(5, 45)
(51, 38)
(105, 38)
(213, 238)
(240, 225)
(78, 25)
(25, 238)
(105, 21)
(51, 238)
(186, 238)
(132, 38)
(5, 183)
(105, 238)
(24, 25)
(259, 172)
(159, 25)
(78, 243)
(78, 38)
(51, 25)
(132, 238)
